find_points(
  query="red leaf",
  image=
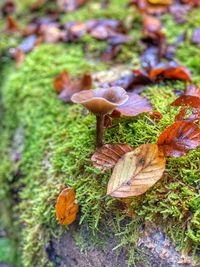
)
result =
(169, 71)
(67, 87)
(107, 156)
(135, 105)
(179, 138)
(187, 100)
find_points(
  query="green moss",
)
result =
(59, 141)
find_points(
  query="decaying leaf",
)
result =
(66, 87)
(136, 172)
(66, 206)
(107, 156)
(155, 115)
(179, 138)
(134, 105)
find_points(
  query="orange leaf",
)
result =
(169, 71)
(64, 85)
(11, 24)
(66, 206)
(187, 100)
(108, 155)
(179, 138)
(136, 172)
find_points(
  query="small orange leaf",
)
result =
(66, 206)
(179, 138)
(107, 156)
(136, 172)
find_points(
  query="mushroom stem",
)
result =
(99, 130)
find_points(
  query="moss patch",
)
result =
(59, 141)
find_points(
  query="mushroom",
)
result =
(100, 102)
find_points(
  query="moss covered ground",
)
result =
(59, 141)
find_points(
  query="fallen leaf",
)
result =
(8, 8)
(66, 206)
(177, 139)
(170, 71)
(151, 24)
(64, 85)
(69, 5)
(107, 156)
(193, 90)
(110, 53)
(19, 57)
(107, 121)
(187, 100)
(196, 36)
(11, 24)
(183, 116)
(134, 105)
(156, 115)
(136, 172)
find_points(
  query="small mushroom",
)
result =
(100, 102)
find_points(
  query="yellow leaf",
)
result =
(136, 172)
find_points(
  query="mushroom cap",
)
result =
(101, 101)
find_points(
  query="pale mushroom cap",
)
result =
(101, 100)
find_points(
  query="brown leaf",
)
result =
(66, 206)
(69, 5)
(156, 115)
(182, 115)
(179, 138)
(170, 71)
(107, 156)
(19, 57)
(61, 81)
(11, 24)
(110, 53)
(8, 7)
(134, 105)
(193, 90)
(67, 87)
(107, 121)
(187, 100)
(151, 24)
(136, 172)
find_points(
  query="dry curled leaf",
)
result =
(179, 138)
(66, 206)
(183, 116)
(136, 172)
(107, 156)
(134, 105)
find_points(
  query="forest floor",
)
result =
(47, 143)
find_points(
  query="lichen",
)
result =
(59, 141)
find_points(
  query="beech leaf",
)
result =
(66, 206)
(179, 138)
(107, 156)
(136, 172)
(134, 105)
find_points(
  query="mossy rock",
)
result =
(53, 142)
